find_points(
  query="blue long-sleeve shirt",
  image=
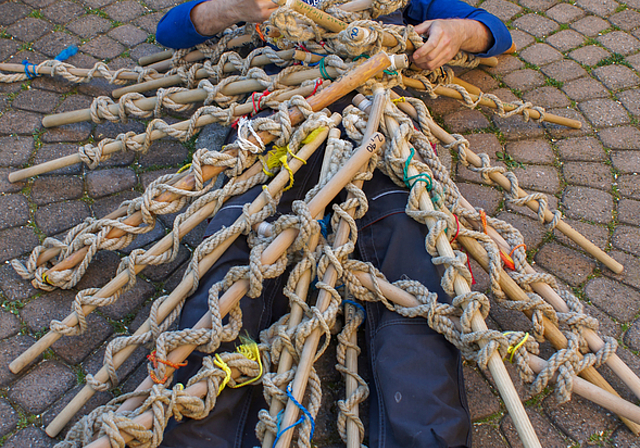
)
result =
(176, 30)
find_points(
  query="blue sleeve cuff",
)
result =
(420, 10)
(176, 30)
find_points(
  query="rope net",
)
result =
(247, 163)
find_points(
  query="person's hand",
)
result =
(214, 16)
(448, 36)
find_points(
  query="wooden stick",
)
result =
(155, 57)
(317, 102)
(501, 180)
(271, 253)
(113, 147)
(275, 186)
(497, 368)
(81, 72)
(451, 93)
(168, 81)
(551, 332)
(468, 86)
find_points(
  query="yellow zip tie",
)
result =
(184, 168)
(512, 350)
(399, 100)
(250, 351)
(223, 365)
(311, 137)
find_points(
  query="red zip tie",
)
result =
(253, 100)
(473, 279)
(457, 228)
(155, 360)
(315, 89)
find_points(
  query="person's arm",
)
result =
(452, 25)
(194, 22)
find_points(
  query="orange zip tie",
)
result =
(260, 32)
(514, 249)
(155, 360)
(506, 259)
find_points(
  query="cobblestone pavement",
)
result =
(577, 59)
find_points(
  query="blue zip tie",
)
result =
(357, 305)
(66, 53)
(28, 65)
(305, 415)
(324, 225)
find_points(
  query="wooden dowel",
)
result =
(468, 86)
(80, 72)
(113, 147)
(269, 256)
(356, 5)
(562, 226)
(551, 331)
(503, 381)
(274, 187)
(155, 57)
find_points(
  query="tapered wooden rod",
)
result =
(168, 81)
(116, 146)
(451, 93)
(562, 226)
(155, 57)
(136, 218)
(594, 341)
(551, 331)
(275, 186)
(279, 245)
(297, 313)
(503, 381)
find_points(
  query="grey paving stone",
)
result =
(566, 264)
(627, 238)
(585, 89)
(515, 128)
(96, 4)
(12, 11)
(29, 437)
(9, 418)
(629, 186)
(105, 182)
(486, 436)
(631, 100)
(565, 40)
(146, 238)
(56, 151)
(9, 326)
(484, 143)
(524, 79)
(165, 153)
(144, 50)
(103, 47)
(59, 85)
(89, 26)
(622, 137)
(163, 271)
(52, 44)
(102, 207)
(604, 112)
(19, 122)
(536, 151)
(41, 387)
(100, 271)
(588, 203)
(501, 9)
(480, 79)
(10, 349)
(95, 362)
(623, 437)
(590, 25)
(483, 197)
(619, 42)
(538, 5)
(564, 70)
(588, 174)
(13, 286)
(541, 54)
(63, 11)
(599, 7)
(60, 216)
(149, 22)
(29, 29)
(589, 55)
(15, 211)
(33, 100)
(482, 401)
(578, 418)
(15, 151)
(75, 132)
(542, 178)
(632, 336)
(125, 11)
(626, 20)
(627, 162)
(634, 60)
(128, 35)
(629, 212)
(535, 24)
(16, 241)
(465, 121)
(99, 399)
(618, 300)
(38, 313)
(130, 300)
(74, 349)
(549, 436)
(547, 97)
(631, 274)
(521, 39)
(616, 77)
(56, 188)
(565, 13)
